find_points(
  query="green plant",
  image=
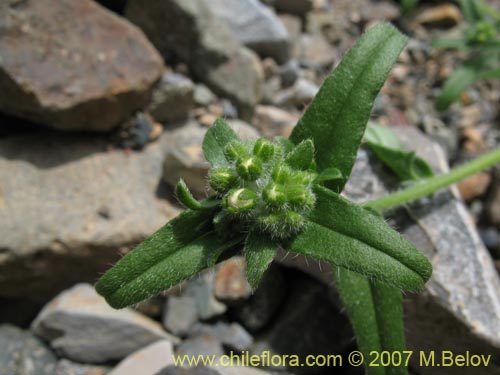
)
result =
(481, 42)
(286, 193)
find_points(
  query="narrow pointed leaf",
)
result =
(179, 249)
(376, 315)
(329, 174)
(470, 11)
(302, 156)
(259, 253)
(356, 294)
(216, 138)
(186, 198)
(456, 83)
(345, 234)
(337, 117)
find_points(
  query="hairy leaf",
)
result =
(259, 253)
(386, 146)
(337, 117)
(376, 314)
(328, 174)
(456, 83)
(345, 234)
(216, 138)
(302, 156)
(173, 253)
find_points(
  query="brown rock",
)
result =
(69, 207)
(272, 121)
(445, 15)
(72, 64)
(230, 281)
(474, 186)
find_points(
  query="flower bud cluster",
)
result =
(259, 186)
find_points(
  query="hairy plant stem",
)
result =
(433, 184)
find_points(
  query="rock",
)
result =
(298, 7)
(290, 72)
(65, 367)
(445, 15)
(81, 326)
(460, 308)
(205, 345)
(185, 158)
(173, 98)
(137, 132)
(309, 323)
(254, 25)
(273, 121)
(300, 94)
(315, 52)
(146, 361)
(474, 186)
(177, 370)
(263, 305)
(68, 207)
(186, 30)
(201, 289)
(21, 353)
(70, 77)
(180, 314)
(233, 336)
(203, 96)
(493, 208)
(231, 284)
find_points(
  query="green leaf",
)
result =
(216, 138)
(329, 174)
(302, 156)
(259, 253)
(456, 83)
(345, 234)
(450, 43)
(376, 315)
(470, 11)
(186, 198)
(382, 136)
(337, 117)
(386, 146)
(172, 254)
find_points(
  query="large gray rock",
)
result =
(460, 308)
(72, 64)
(81, 326)
(254, 25)
(66, 367)
(187, 30)
(21, 353)
(68, 207)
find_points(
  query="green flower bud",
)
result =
(263, 149)
(222, 179)
(282, 173)
(239, 201)
(235, 151)
(300, 196)
(274, 195)
(282, 224)
(249, 168)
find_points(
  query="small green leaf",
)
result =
(186, 198)
(259, 253)
(470, 11)
(456, 83)
(386, 146)
(216, 138)
(329, 174)
(345, 234)
(302, 156)
(382, 136)
(376, 315)
(337, 117)
(172, 254)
